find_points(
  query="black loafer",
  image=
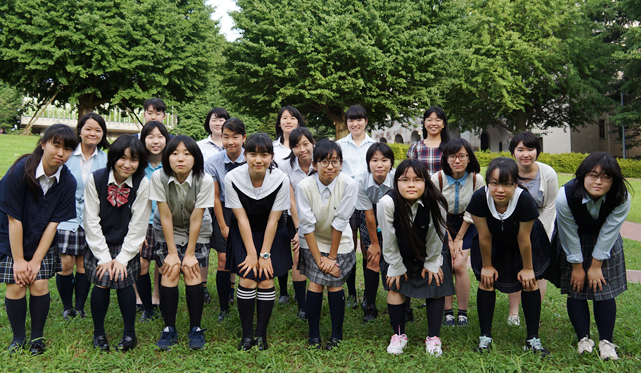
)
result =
(101, 343)
(246, 344)
(127, 343)
(223, 315)
(15, 346)
(261, 342)
(302, 315)
(37, 347)
(332, 344)
(81, 314)
(315, 342)
(68, 314)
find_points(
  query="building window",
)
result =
(485, 141)
(541, 142)
(602, 128)
(500, 146)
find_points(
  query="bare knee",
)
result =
(38, 288)
(67, 262)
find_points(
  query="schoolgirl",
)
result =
(218, 166)
(36, 194)
(325, 201)
(87, 158)
(415, 261)
(436, 134)
(373, 184)
(457, 181)
(183, 227)
(258, 243)
(511, 251)
(154, 137)
(590, 211)
(213, 143)
(542, 183)
(297, 166)
(116, 209)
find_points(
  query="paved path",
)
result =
(632, 231)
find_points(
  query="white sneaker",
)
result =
(585, 346)
(608, 350)
(433, 346)
(513, 320)
(397, 344)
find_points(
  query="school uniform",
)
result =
(354, 163)
(115, 217)
(588, 230)
(280, 151)
(369, 193)
(55, 203)
(506, 256)
(296, 175)
(209, 148)
(458, 194)
(544, 188)
(147, 250)
(273, 195)
(398, 258)
(321, 208)
(430, 156)
(182, 199)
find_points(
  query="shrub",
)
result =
(400, 151)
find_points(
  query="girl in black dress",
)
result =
(258, 247)
(415, 261)
(511, 251)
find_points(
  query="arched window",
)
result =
(398, 139)
(485, 141)
(383, 140)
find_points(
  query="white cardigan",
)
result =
(550, 188)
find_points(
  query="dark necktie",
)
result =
(230, 166)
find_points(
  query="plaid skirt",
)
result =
(217, 241)
(201, 252)
(365, 235)
(133, 270)
(308, 267)
(281, 253)
(48, 268)
(147, 251)
(355, 219)
(72, 243)
(418, 287)
(613, 271)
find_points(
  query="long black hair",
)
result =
(260, 143)
(432, 197)
(104, 144)
(219, 112)
(445, 132)
(453, 147)
(294, 138)
(610, 167)
(192, 148)
(136, 150)
(58, 134)
(293, 111)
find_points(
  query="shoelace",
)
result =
(535, 343)
(462, 318)
(433, 342)
(484, 341)
(396, 340)
(449, 318)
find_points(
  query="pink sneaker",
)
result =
(397, 344)
(433, 346)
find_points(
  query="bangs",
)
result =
(62, 135)
(259, 143)
(508, 171)
(419, 169)
(327, 149)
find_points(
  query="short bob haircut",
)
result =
(379, 147)
(155, 103)
(192, 148)
(508, 171)
(356, 112)
(610, 167)
(453, 147)
(445, 132)
(293, 111)
(136, 149)
(149, 128)
(104, 144)
(295, 137)
(235, 125)
(260, 143)
(219, 113)
(326, 149)
(528, 139)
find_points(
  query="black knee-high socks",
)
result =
(246, 302)
(99, 306)
(336, 301)
(82, 286)
(314, 306)
(169, 304)
(17, 314)
(579, 314)
(397, 317)
(64, 283)
(434, 308)
(223, 283)
(127, 304)
(351, 282)
(485, 302)
(264, 306)
(195, 298)
(299, 294)
(605, 315)
(144, 290)
(282, 283)
(531, 302)
(371, 285)
(39, 310)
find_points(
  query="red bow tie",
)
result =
(116, 195)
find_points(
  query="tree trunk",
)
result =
(520, 121)
(86, 105)
(337, 116)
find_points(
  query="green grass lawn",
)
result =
(70, 349)
(13, 146)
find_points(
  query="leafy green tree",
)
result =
(10, 105)
(526, 64)
(119, 52)
(322, 56)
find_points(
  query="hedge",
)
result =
(563, 163)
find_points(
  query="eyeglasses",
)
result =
(462, 157)
(494, 184)
(334, 162)
(604, 177)
(405, 180)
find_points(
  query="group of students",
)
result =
(268, 207)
